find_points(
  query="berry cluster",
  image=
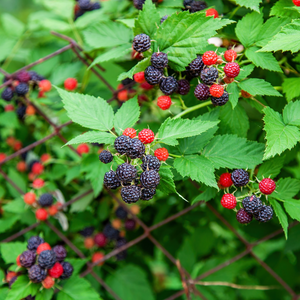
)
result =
(252, 206)
(193, 5)
(43, 263)
(135, 184)
(82, 6)
(138, 4)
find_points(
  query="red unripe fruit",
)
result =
(43, 247)
(164, 102)
(52, 210)
(97, 256)
(45, 85)
(29, 198)
(100, 239)
(9, 107)
(18, 261)
(131, 132)
(225, 180)
(45, 157)
(38, 183)
(30, 110)
(48, 282)
(41, 94)
(146, 136)
(139, 77)
(2, 156)
(10, 141)
(212, 12)
(56, 271)
(267, 186)
(232, 69)
(31, 176)
(83, 148)
(296, 2)
(230, 55)
(146, 86)
(10, 275)
(209, 58)
(123, 95)
(216, 90)
(21, 166)
(37, 168)
(18, 145)
(116, 223)
(89, 243)
(41, 214)
(70, 84)
(228, 80)
(136, 55)
(162, 154)
(228, 201)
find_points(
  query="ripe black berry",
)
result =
(46, 200)
(84, 4)
(21, 111)
(168, 85)
(27, 258)
(195, 67)
(95, 6)
(105, 157)
(183, 87)
(159, 60)
(240, 177)
(60, 252)
(150, 162)
(201, 92)
(131, 193)
(265, 214)
(87, 231)
(35, 76)
(252, 204)
(150, 179)
(187, 4)
(111, 180)
(121, 242)
(243, 217)
(7, 94)
(110, 232)
(138, 4)
(141, 42)
(34, 242)
(22, 89)
(164, 18)
(136, 149)
(220, 101)
(23, 76)
(121, 213)
(152, 75)
(126, 172)
(130, 224)
(47, 259)
(127, 81)
(209, 75)
(122, 143)
(37, 274)
(197, 6)
(68, 270)
(147, 194)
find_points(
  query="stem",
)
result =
(182, 103)
(112, 133)
(234, 12)
(244, 62)
(173, 155)
(77, 35)
(190, 109)
(258, 102)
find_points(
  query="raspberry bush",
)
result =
(116, 116)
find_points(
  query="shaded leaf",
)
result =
(99, 137)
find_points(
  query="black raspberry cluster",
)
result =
(20, 86)
(44, 264)
(82, 6)
(252, 206)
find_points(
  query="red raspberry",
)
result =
(209, 58)
(83, 148)
(56, 271)
(43, 247)
(37, 168)
(296, 2)
(9, 107)
(212, 12)
(52, 210)
(162, 154)
(45, 157)
(21, 166)
(228, 201)
(228, 80)
(131, 132)
(38, 183)
(100, 239)
(48, 282)
(45, 85)
(89, 243)
(267, 186)
(30, 110)
(230, 55)
(70, 84)
(97, 256)
(41, 214)
(10, 275)
(232, 69)
(139, 77)
(225, 180)
(123, 95)
(146, 136)
(146, 86)
(29, 198)
(164, 102)
(18, 261)
(31, 176)
(2, 156)
(216, 90)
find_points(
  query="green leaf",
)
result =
(254, 4)
(184, 35)
(20, 289)
(15, 206)
(263, 60)
(12, 26)
(247, 29)
(271, 168)
(10, 251)
(292, 207)
(166, 184)
(9, 119)
(127, 115)
(290, 87)
(245, 72)
(269, 29)
(130, 282)
(234, 92)
(93, 137)
(91, 18)
(7, 223)
(139, 67)
(17, 178)
(282, 217)
(256, 86)
(208, 194)
(173, 129)
(286, 188)
(142, 24)
(77, 289)
(288, 39)
(223, 152)
(77, 264)
(291, 113)
(81, 204)
(280, 9)
(107, 35)
(63, 9)
(196, 167)
(279, 136)
(44, 294)
(88, 111)
(63, 71)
